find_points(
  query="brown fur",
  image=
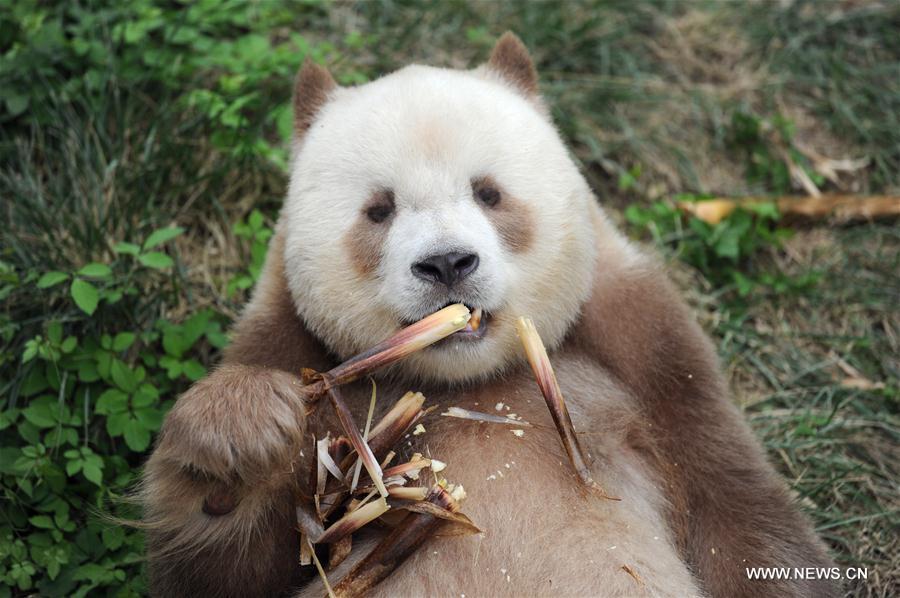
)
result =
(636, 340)
(364, 242)
(311, 89)
(699, 501)
(511, 218)
(729, 508)
(365, 239)
(239, 432)
(512, 62)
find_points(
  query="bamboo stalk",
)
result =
(413, 338)
(843, 208)
(396, 547)
(352, 431)
(546, 379)
(352, 521)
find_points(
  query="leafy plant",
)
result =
(254, 231)
(722, 251)
(90, 393)
(767, 145)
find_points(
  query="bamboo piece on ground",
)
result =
(843, 208)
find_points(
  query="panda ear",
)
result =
(511, 61)
(312, 88)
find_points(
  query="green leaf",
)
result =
(68, 345)
(123, 376)
(113, 537)
(172, 365)
(127, 248)
(193, 370)
(95, 270)
(16, 104)
(123, 340)
(51, 278)
(54, 332)
(155, 259)
(145, 395)
(93, 472)
(111, 401)
(41, 521)
(42, 412)
(73, 467)
(173, 341)
(136, 437)
(116, 422)
(728, 245)
(255, 220)
(85, 295)
(161, 236)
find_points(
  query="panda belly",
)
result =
(543, 533)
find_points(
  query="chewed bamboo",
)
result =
(396, 547)
(414, 337)
(352, 431)
(549, 386)
(352, 521)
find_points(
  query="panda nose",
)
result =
(446, 268)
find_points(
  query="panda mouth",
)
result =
(477, 326)
(475, 329)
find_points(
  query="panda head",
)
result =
(432, 186)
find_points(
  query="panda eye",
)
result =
(486, 192)
(381, 207)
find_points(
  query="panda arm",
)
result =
(219, 490)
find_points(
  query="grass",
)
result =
(645, 94)
(817, 376)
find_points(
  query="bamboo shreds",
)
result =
(414, 337)
(396, 547)
(362, 448)
(413, 493)
(357, 503)
(305, 550)
(352, 521)
(633, 574)
(320, 570)
(336, 459)
(400, 415)
(388, 458)
(365, 437)
(411, 467)
(456, 524)
(324, 456)
(483, 417)
(546, 379)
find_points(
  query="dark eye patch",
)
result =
(486, 191)
(381, 206)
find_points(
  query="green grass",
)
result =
(121, 119)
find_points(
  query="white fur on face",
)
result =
(426, 133)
